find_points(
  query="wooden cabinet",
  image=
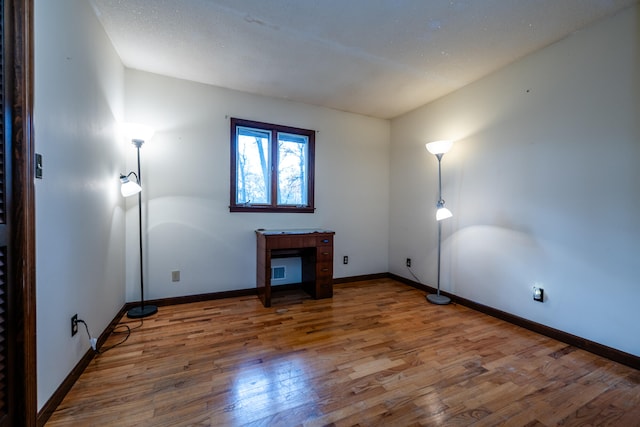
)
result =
(313, 246)
(324, 267)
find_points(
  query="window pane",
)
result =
(271, 168)
(292, 169)
(253, 166)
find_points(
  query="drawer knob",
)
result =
(325, 269)
(325, 253)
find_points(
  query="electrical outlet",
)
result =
(408, 263)
(538, 294)
(38, 166)
(175, 276)
(74, 324)
(345, 259)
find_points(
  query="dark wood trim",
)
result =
(574, 340)
(194, 298)
(565, 337)
(246, 292)
(601, 350)
(22, 264)
(273, 154)
(161, 302)
(58, 396)
(271, 209)
(369, 324)
(109, 329)
(361, 278)
(416, 285)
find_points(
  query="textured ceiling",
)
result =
(375, 57)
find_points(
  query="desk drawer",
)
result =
(324, 280)
(324, 290)
(326, 240)
(324, 270)
(324, 254)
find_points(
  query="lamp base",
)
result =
(438, 299)
(144, 311)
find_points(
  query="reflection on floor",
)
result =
(375, 354)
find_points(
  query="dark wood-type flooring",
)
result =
(376, 354)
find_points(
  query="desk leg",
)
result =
(263, 275)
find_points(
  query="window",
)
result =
(272, 167)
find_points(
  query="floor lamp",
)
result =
(138, 134)
(439, 148)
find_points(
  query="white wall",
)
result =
(185, 176)
(79, 82)
(544, 185)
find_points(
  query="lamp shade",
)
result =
(137, 131)
(439, 147)
(129, 188)
(443, 213)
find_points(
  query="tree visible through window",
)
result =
(271, 167)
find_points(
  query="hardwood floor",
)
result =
(375, 354)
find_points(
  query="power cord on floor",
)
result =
(126, 337)
(94, 341)
(414, 276)
(418, 279)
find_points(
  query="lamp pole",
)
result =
(142, 310)
(437, 298)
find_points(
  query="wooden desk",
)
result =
(314, 246)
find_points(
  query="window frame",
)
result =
(273, 129)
